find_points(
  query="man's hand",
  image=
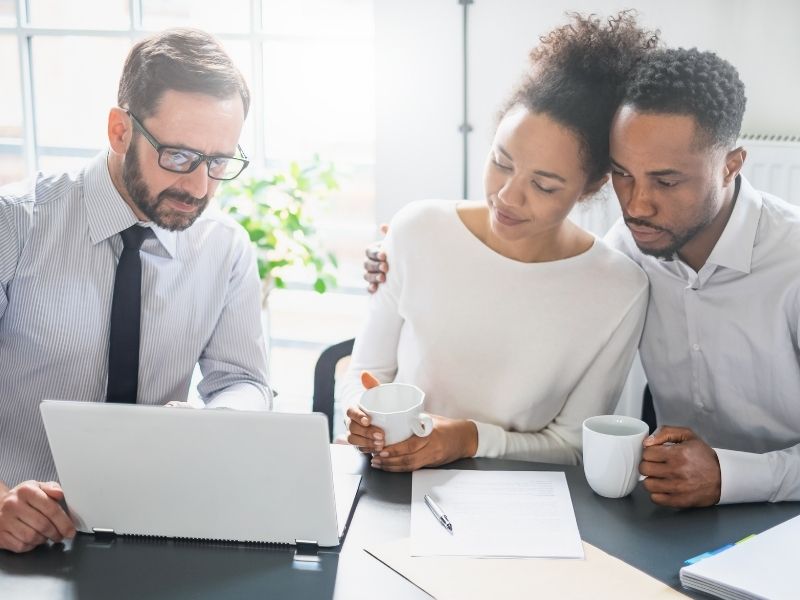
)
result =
(681, 469)
(450, 440)
(30, 515)
(376, 267)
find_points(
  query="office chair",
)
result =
(648, 410)
(325, 379)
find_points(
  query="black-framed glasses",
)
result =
(186, 160)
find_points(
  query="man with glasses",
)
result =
(114, 283)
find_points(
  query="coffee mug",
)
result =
(397, 409)
(612, 451)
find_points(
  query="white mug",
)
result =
(397, 409)
(612, 451)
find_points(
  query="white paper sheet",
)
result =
(494, 514)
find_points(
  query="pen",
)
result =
(438, 513)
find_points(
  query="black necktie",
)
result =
(123, 350)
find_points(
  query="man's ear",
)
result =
(592, 188)
(734, 161)
(120, 130)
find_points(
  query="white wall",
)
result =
(418, 151)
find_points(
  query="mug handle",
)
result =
(422, 426)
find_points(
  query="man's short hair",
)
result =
(694, 83)
(184, 60)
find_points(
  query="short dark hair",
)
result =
(694, 83)
(577, 78)
(184, 60)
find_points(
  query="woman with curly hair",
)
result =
(516, 323)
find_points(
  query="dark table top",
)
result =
(654, 539)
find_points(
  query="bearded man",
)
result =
(113, 282)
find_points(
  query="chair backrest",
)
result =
(648, 410)
(325, 379)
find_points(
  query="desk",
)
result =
(653, 539)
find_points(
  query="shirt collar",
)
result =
(734, 248)
(108, 213)
(168, 239)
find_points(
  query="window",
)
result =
(12, 162)
(310, 67)
(69, 107)
(8, 15)
(80, 14)
(232, 16)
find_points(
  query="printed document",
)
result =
(499, 514)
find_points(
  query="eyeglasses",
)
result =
(185, 160)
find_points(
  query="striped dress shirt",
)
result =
(59, 248)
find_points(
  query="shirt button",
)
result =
(696, 347)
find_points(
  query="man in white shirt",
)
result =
(720, 344)
(113, 286)
(720, 341)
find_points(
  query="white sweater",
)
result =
(525, 350)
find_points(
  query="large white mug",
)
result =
(612, 451)
(397, 409)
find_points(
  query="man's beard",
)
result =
(678, 240)
(156, 208)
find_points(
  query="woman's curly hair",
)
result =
(690, 82)
(577, 77)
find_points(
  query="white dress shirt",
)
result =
(720, 346)
(525, 350)
(59, 247)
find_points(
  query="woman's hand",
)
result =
(361, 433)
(450, 440)
(367, 437)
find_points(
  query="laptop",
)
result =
(230, 475)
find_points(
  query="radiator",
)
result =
(773, 165)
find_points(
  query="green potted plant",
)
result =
(274, 209)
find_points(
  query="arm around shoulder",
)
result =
(375, 347)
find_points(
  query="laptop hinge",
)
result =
(100, 532)
(306, 550)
